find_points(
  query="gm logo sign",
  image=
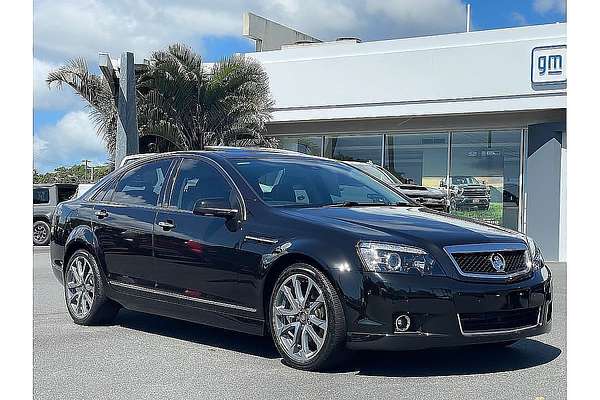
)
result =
(549, 67)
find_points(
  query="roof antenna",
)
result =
(468, 23)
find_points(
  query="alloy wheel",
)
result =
(80, 286)
(40, 233)
(300, 317)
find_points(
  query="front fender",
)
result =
(337, 258)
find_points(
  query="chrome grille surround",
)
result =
(510, 249)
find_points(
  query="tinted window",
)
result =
(105, 193)
(142, 185)
(313, 183)
(199, 183)
(66, 192)
(41, 195)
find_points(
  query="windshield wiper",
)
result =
(357, 204)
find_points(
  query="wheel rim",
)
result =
(80, 286)
(300, 317)
(40, 233)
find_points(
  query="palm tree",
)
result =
(181, 101)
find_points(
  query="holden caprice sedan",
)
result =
(313, 252)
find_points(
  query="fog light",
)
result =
(402, 323)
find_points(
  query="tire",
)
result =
(322, 314)
(82, 283)
(41, 233)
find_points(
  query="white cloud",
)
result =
(546, 6)
(68, 28)
(72, 139)
(417, 17)
(518, 18)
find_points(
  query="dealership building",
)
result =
(473, 109)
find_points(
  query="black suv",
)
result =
(310, 251)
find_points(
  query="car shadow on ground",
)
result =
(201, 334)
(466, 360)
(469, 360)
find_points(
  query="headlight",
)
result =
(535, 254)
(389, 257)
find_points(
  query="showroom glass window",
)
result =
(484, 176)
(354, 148)
(199, 184)
(419, 158)
(142, 185)
(312, 145)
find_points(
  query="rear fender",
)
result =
(82, 237)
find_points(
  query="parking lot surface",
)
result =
(142, 356)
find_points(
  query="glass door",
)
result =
(484, 178)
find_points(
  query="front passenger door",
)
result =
(198, 255)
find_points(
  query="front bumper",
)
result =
(489, 312)
(472, 201)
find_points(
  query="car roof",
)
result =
(231, 152)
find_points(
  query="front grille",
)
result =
(474, 192)
(480, 263)
(499, 320)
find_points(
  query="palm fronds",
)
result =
(182, 102)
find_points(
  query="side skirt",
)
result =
(173, 305)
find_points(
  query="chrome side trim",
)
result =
(261, 239)
(180, 296)
(500, 331)
(489, 248)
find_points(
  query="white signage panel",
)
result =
(549, 66)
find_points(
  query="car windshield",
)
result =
(464, 180)
(294, 182)
(378, 173)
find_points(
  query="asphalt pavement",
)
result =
(142, 356)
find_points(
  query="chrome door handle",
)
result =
(101, 214)
(166, 225)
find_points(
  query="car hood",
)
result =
(418, 191)
(471, 186)
(417, 225)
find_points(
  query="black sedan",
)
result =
(311, 251)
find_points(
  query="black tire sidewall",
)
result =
(99, 301)
(47, 228)
(331, 341)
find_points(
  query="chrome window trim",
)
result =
(180, 296)
(500, 331)
(489, 248)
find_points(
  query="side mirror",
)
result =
(215, 207)
(442, 183)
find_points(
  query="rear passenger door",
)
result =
(199, 256)
(124, 218)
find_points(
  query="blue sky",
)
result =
(64, 29)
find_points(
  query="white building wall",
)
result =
(483, 71)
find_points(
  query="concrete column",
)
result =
(127, 133)
(545, 188)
